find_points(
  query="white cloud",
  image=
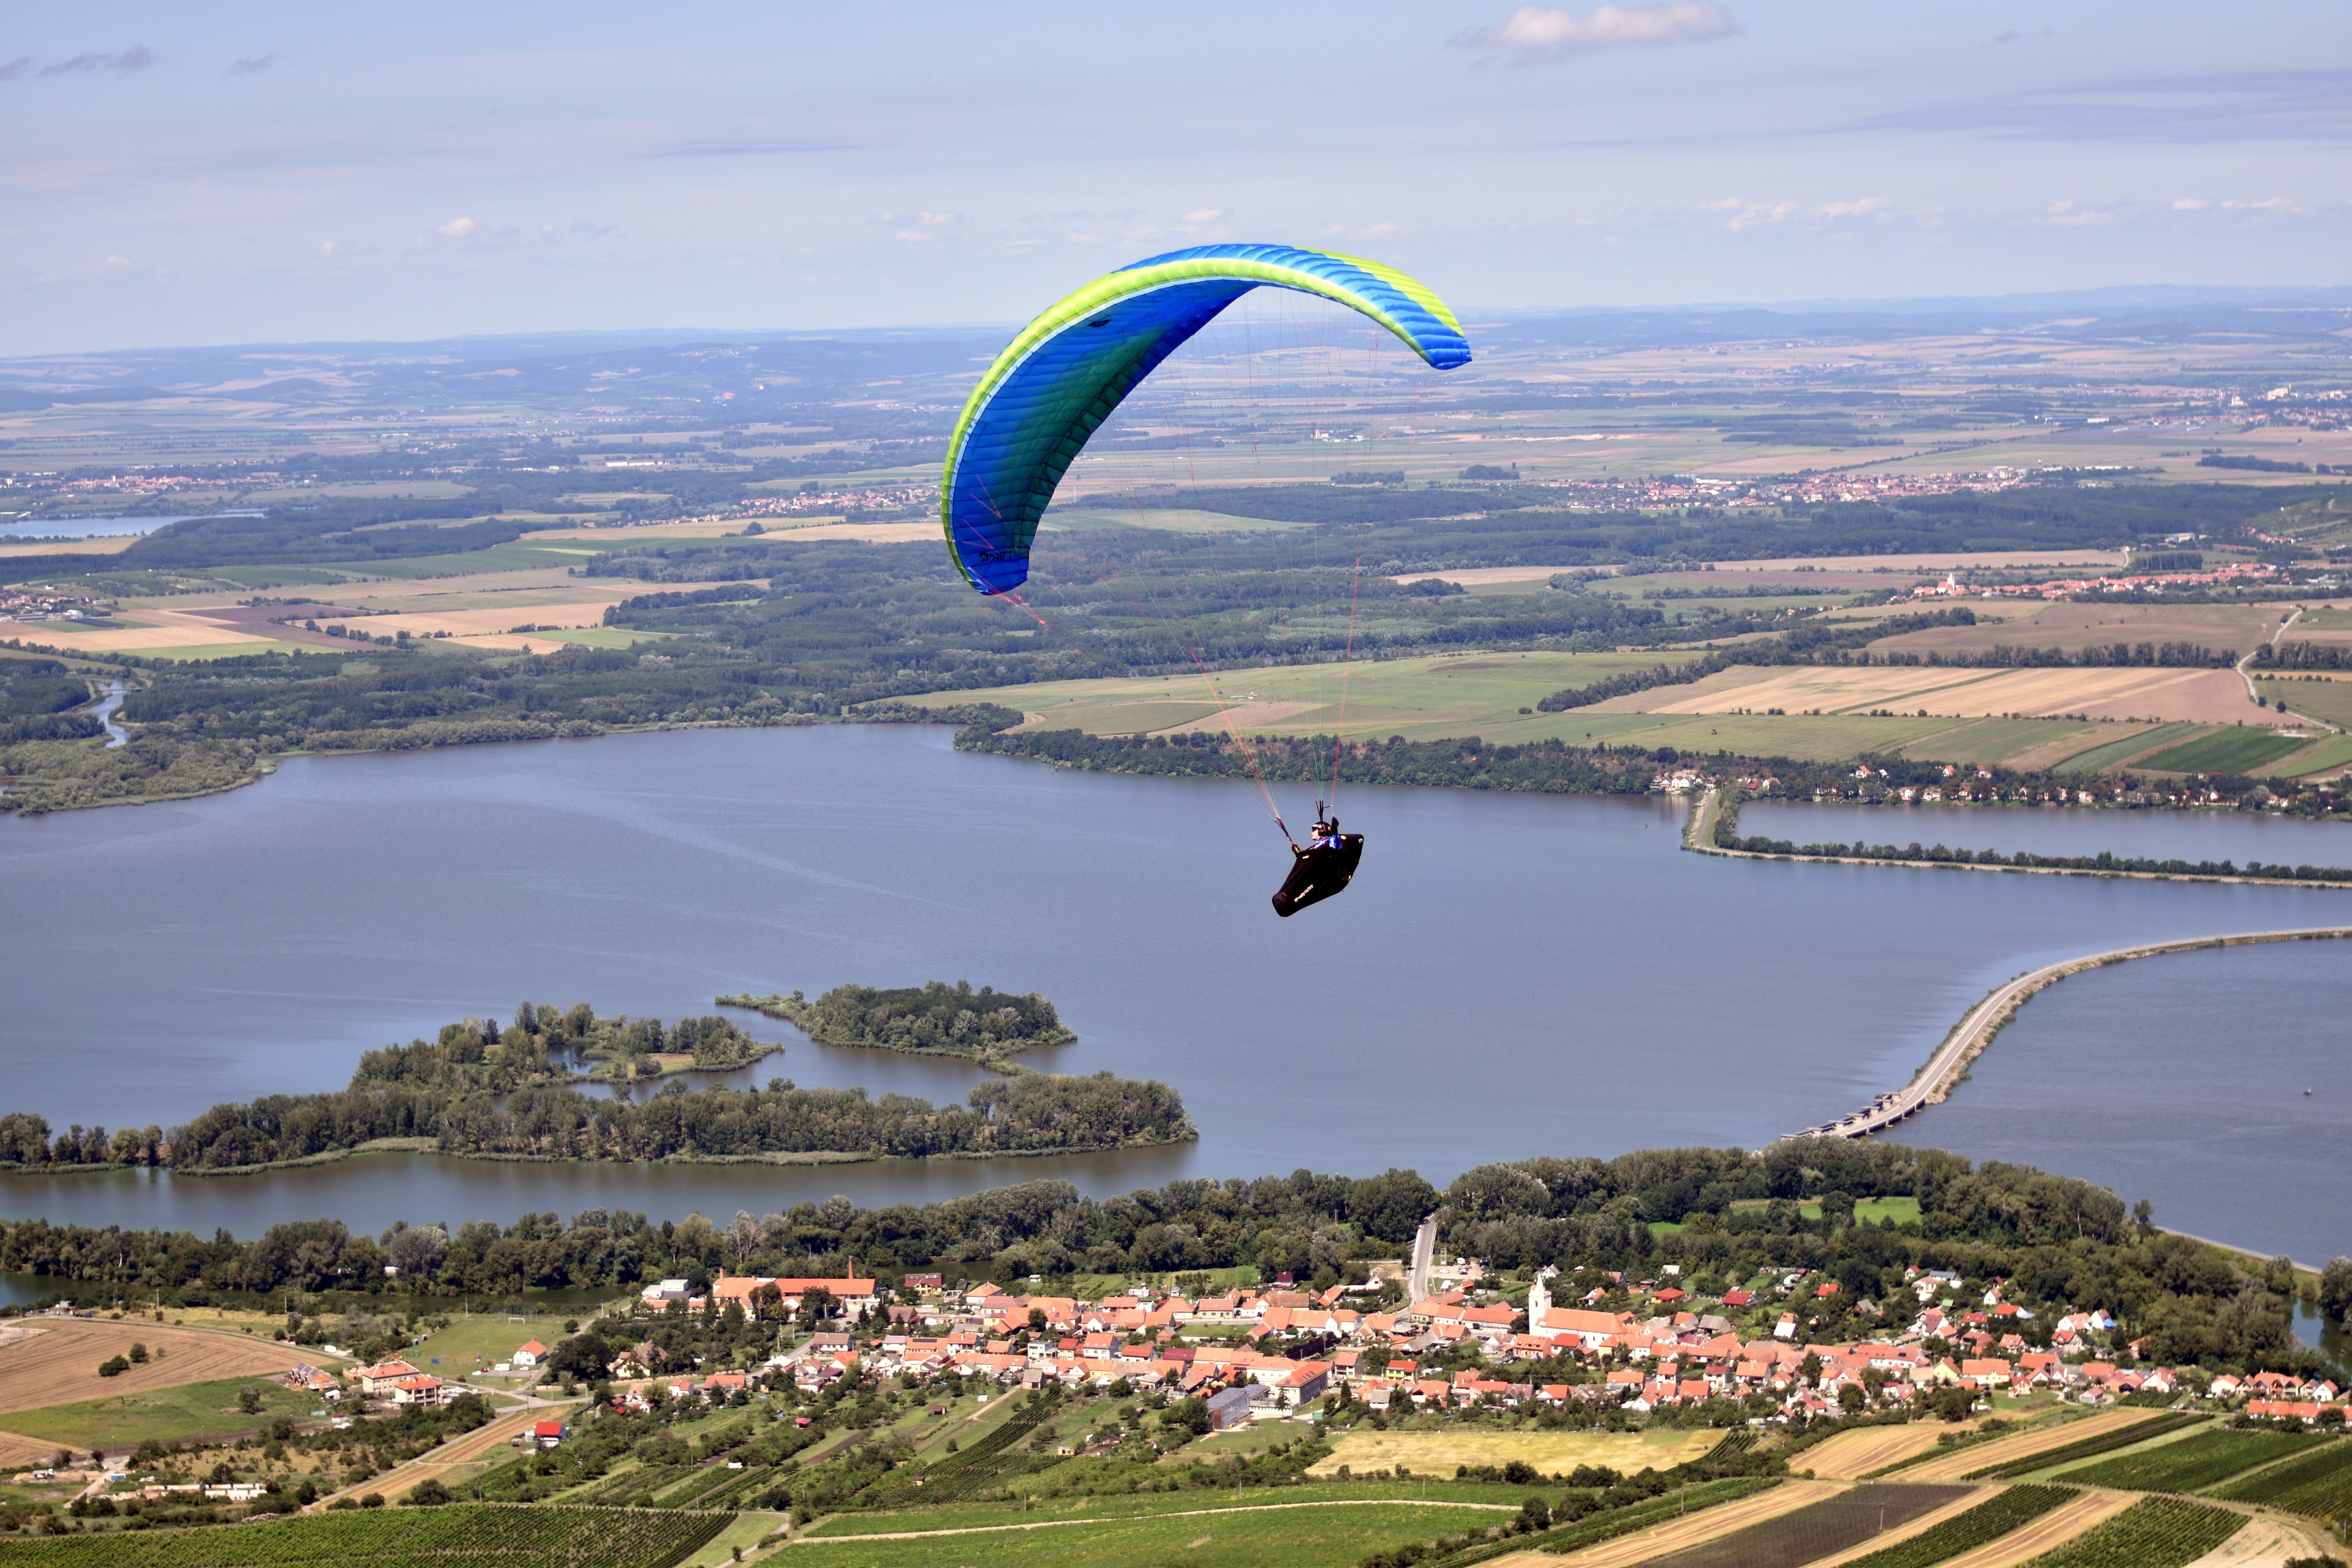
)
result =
(1868, 206)
(2189, 204)
(2069, 215)
(1544, 33)
(456, 228)
(253, 65)
(933, 220)
(1748, 214)
(328, 248)
(1204, 214)
(919, 235)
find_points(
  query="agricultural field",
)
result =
(2318, 1484)
(2159, 1532)
(1491, 1498)
(2125, 694)
(2189, 1463)
(56, 1361)
(1850, 1456)
(1453, 696)
(461, 1459)
(1676, 1530)
(478, 1341)
(160, 1415)
(2251, 750)
(1981, 1457)
(1820, 1529)
(1332, 1534)
(1553, 1453)
(458, 1536)
(1966, 1530)
(2089, 1446)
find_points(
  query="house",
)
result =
(379, 1379)
(1989, 1372)
(530, 1354)
(548, 1434)
(421, 1389)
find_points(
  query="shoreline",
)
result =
(1700, 827)
(428, 1146)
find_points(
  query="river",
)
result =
(1511, 974)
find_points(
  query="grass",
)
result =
(1868, 1211)
(2237, 750)
(513, 556)
(1171, 520)
(2320, 757)
(460, 1536)
(2161, 1533)
(2191, 1463)
(489, 1335)
(163, 1414)
(2317, 1484)
(2328, 699)
(1437, 1453)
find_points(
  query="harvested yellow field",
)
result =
(1674, 1534)
(2198, 696)
(59, 1365)
(19, 1453)
(1437, 1453)
(2060, 1524)
(16, 549)
(2019, 1445)
(1850, 1456)
(2270, 1542)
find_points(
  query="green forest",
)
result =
(938, 1019)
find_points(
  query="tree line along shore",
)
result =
(484, 1091)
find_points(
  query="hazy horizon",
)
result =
(268, 174)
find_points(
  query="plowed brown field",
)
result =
(1675, 1534)
(2000, 1450)
(17, 1453)
(1850, 1456)
(59, 1365)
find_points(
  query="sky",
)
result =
(240, 173)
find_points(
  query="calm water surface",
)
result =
(1511, 974)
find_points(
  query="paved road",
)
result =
(1424, 1245)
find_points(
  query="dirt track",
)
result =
(59, 1363)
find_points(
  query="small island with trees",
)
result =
(987, 1025)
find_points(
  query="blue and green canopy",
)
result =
(1057, 383)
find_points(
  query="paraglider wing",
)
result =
(1059, 380)
(1317, 874)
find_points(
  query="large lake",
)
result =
(1510, 975)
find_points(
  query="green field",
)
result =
(460, 1536)
(2143, 738)
(2318, 1484)
(1868, 1211)
(163, 1414)
(1988, 1521)
(2089, 1447)
(1308, 1536)
(1450, 697)
(2191, 1463)
(513, 556)
(452, 1351)
(1502, 1499)
(2237, 750)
